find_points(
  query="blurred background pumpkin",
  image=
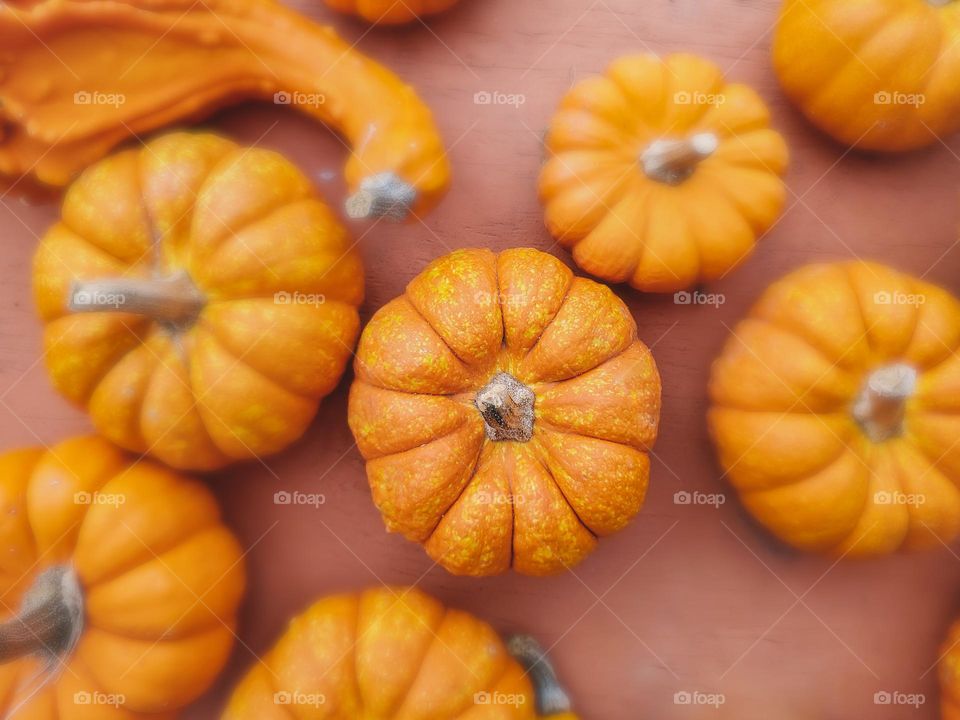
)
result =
(391, 12)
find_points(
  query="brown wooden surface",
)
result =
(686, 598)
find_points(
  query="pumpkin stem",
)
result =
(673, 161)
(50, 618)
(506, 405)
(880, 407)
(174, 299)
(552, 699)
(381, 195)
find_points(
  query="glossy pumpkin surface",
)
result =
(660, 173)
(158, 574)
(391, 12)
(259, 309)
(877, 74)
(505, 410)
(836, 410)
(384, 654)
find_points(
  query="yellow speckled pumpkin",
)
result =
(505, 409)
(199, 300)
(391, 12)
(120, 585)
(878, 74)
(660, 173)
(398, 653)
(836, 410)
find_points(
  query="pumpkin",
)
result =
(660, 173)
(879, 75)
(199, 300)
(64, 103)
(120, 585)
(949, 671)
(391, 12)
(505, 410)
(397, 653)
(835, 410)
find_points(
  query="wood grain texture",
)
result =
(686, 598)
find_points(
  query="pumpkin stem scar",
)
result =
(174, 299)
(506, 405)
(880, 406)
(673, 161)
(381, 195)
(552, 699)
(50, 618)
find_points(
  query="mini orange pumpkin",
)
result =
(391, 12)
(949, 670)
(836, 410)
(199, 300)
(127, 583)
(398, 653)
(505, 410)
(879, 74)
(660, 173)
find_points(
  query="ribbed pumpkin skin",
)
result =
(161, 575)
(782, 393)
(480, 506)
(852, 67)
(391, 12)
(623, 226)
(385, 654)
(245, 379)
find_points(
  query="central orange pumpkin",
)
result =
(505, 409)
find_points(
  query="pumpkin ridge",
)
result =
(117, 357)
(138, 413)
(415, 447)
(470, 480)
(546, 326)
(546, 466)
(870, 460)
(209, 328)
(468, 367)
(847, 269)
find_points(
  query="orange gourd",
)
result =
(505, 410)
(391, 12)
(397, 653)
(199, 300)
(79, 77)
(879, 74)
(126, 580)
(660, 173)
(836, 410)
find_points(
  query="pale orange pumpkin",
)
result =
(199, 300)
(836, 410)
(878, 74)
(397, 653)
(126, 580)
(660, 173)
(391, 12)
(505, 410)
